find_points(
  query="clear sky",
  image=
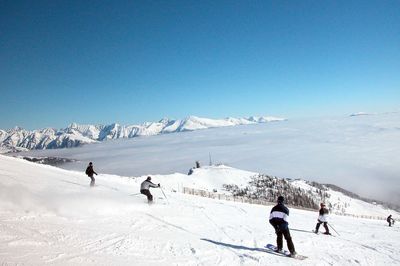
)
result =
(136, 61)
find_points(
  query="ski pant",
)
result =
(390, 223)
(92, 180)
(325, 226)
(279, 240)
(147, 193)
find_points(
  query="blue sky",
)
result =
(136, 61)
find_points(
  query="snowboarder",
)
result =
(390, 220)
(145, 188)
(278, 218)
(323, 218)
(90, 172)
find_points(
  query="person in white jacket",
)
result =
(323, 218)
(145, 188)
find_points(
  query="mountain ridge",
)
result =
(74, 135)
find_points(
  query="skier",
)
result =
(323, 218)
(278, 218)
(90, 172)
(145, 188)
(390, 220)
(191, 171)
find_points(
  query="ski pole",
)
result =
(134, 194)
(333, 229)
(164, 194)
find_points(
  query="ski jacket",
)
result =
(323, 215)
(89, 170)
(147, 184)
(278, 217)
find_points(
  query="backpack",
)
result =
(87, 172)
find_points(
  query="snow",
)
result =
(76, 135)
(50, 216)
(3, 135)
(91, 131)
(340, 203)
(358, 153)
(210, 178)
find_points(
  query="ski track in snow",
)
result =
(52, 217)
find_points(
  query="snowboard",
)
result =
(285, 252)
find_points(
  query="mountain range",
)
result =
(19, 139)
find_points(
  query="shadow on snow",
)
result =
(243, 247)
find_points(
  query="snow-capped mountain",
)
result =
(74, 135)
(20, 139)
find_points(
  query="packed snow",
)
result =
(358, 153)
(50, 216)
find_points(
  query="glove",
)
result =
(158, 184)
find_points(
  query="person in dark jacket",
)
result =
(145, 188)
(90, 172)
(278, 218)
(390, 220)
(323, 218)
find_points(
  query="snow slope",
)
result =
(50, 216)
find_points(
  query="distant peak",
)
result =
(164, 120)
(114, 125)
(16, 128)
(73, 125)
